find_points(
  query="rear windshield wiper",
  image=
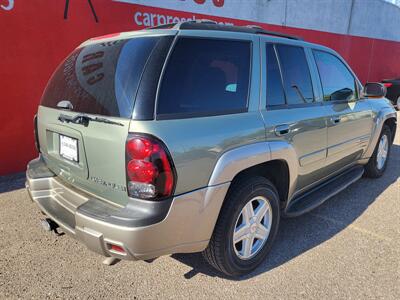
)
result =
(85, 119)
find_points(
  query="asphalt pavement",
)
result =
(348, 248)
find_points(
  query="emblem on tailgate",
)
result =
(114, 186)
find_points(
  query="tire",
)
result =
(374, 169)
(221, 252)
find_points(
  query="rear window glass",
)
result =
(101, 78)
(205, 77)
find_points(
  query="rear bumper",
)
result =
(186, 226)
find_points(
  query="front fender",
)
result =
(380, 117)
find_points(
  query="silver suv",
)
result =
(199, 137)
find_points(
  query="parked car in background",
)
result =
(198, 137)
(393, 91)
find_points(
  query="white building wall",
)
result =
(369, 18)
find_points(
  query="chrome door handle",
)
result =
(335, 120)
(282, 130)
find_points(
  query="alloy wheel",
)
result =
(382, 151)
(252, 228)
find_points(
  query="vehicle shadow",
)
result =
(12, 182)
(298, 235)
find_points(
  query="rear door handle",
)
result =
(335, 120)
(282, 130)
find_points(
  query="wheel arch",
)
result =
(392, 123)
(276, 171)
(384, 116)
(277, 161)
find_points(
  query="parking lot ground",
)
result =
(347, 248)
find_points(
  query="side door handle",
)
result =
(335, 120)
(282, 130)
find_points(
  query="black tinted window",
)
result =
(275, 95)
(296, 74)
(101, 78)
(205, 76)
(337, 81)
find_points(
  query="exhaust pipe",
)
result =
(50, 225)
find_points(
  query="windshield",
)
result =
(101, 78)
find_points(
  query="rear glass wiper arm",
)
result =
(84, 120)
(104, 120)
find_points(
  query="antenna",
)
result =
(66, 8)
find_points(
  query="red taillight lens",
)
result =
(149, 168)
(116, 248)
(388, 84)
(141, 171)
(139, 148)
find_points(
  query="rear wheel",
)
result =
(246, 227)
(377, 163)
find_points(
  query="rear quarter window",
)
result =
(205, 77)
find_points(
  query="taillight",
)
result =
(149, 169)
(35, 132)
(388, 84)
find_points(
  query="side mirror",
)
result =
(374, 90)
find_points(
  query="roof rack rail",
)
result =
(204, 24)
(278, 34)
(164, 26)
(178, 25)
(202, 21)
(254, 26)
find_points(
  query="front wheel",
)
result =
(398, 103)
(246, 227)
(377, 163)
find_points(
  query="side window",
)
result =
(274, 93)
(205, 77)
(337, 81)
(296, 74)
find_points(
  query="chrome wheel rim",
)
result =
(398, 103)
(252, 228)
(382, 151)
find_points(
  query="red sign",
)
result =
(36, 37)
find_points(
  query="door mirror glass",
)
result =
(374, 90)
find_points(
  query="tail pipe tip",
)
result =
(49, 225)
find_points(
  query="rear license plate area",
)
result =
(69, 148)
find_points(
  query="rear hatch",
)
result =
(85, 113)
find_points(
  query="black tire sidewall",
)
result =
(264, 189)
